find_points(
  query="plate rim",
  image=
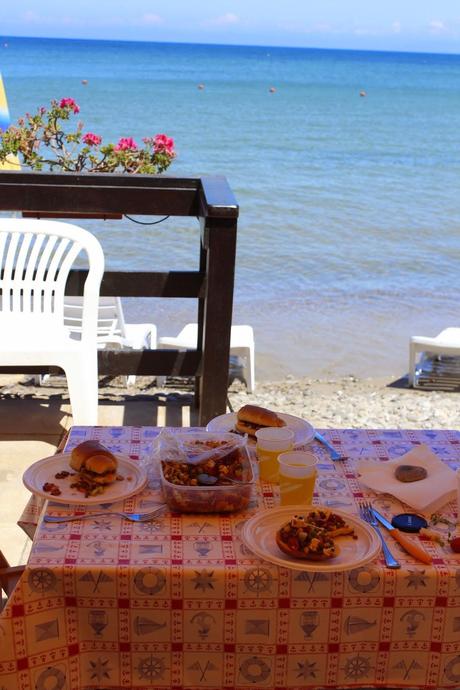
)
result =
(90, 500)
(308, 424)
(311, 566)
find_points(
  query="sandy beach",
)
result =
(350, 402)
(346, 402)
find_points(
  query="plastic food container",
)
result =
(208, 454)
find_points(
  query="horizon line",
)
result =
(4, 37)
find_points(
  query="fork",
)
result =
(368, 516)
(134, 517)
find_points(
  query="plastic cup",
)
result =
(297, 476)
(271, 441)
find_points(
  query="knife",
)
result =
(334, 454)
(408, 545)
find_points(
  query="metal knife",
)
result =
(408, 545)
(334, 454)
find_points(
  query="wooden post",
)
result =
(220, 241)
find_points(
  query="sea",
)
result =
(345, 165)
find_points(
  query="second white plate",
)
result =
(134, 479)
(303, 430)
(259, 536)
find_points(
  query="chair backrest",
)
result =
(110, 319)
(35, 259)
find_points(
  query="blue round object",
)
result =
(409, 522)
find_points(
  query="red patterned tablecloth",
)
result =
(181, 603)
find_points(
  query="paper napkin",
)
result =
(425, 496)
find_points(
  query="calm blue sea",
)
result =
(349, 234)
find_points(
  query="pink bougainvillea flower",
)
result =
(126, 144)
(81, 150)
(91, 139)
(163, 144)
(69, 103)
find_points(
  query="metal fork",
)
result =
(366, 513)
(134, 517)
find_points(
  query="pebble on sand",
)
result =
(343, 402)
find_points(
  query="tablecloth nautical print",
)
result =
(181, 603)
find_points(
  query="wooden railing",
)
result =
(211, 201)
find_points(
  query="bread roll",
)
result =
(250, 418)
(100, 469)
(85, 450)
(259, 415)
(246, 428)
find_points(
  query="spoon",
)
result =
(335, 455)
(209, 480)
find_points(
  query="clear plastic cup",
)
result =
(271, 441)
(297, 475)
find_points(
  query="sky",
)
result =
(406, 25)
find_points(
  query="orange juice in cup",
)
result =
(271, 441)
(297, 476)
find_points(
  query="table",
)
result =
(181, 603)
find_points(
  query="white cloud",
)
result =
(437, 26)
(30, 17)
(146, 20)
(150, 19)
(227, 19)
(363, 31)
(396, 27)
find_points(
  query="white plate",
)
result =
(303, 430)
(44, 471)
(259, 532)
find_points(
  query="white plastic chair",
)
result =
(242, 344)
(112, 331)
(35, 259)
(445, 343)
